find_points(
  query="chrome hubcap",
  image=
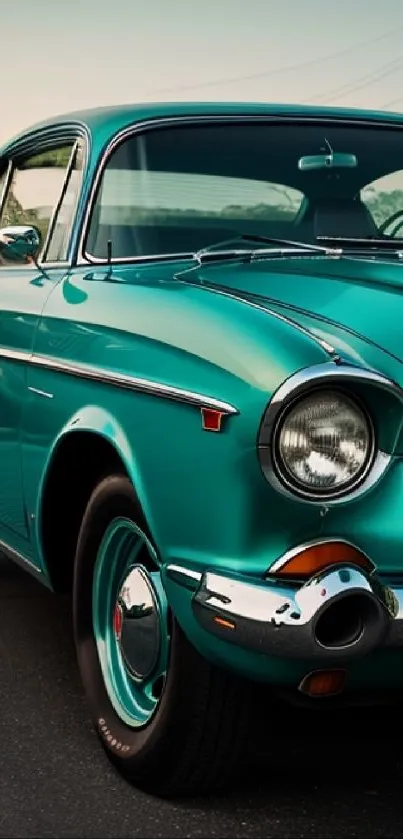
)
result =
(137, 624)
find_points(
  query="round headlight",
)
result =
(323, 443)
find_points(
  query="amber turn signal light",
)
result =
(226, 624)
(323, 682)
(314, 558)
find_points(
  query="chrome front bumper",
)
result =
(338, 614)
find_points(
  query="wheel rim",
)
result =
(130, 621)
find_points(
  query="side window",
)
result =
(35, 189)
(56, 250)
(3, 180)
(384, 199)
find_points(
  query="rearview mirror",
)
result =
(20, 243)
(334, 160)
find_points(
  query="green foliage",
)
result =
(58, 158)
(382, 205)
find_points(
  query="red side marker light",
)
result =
(118, 621)
(211, 419)
(323, 682)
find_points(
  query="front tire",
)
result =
(169, 721)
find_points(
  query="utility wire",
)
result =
(392, 102)
(360, 83)
(287, 69)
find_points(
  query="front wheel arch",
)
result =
(93, 438)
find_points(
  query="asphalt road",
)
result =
(341, 776)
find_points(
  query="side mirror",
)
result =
(20, 243)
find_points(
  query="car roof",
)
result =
(109, 119)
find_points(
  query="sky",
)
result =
(56, 57)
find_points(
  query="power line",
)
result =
(334, 92)
(392, 102)
(275, 71)
(360, 83)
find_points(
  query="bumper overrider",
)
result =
(341, 613)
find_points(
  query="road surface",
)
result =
(333, 777)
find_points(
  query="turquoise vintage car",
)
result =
(201, 402)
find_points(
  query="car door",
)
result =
(38, 190)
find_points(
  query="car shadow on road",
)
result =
(334, 774)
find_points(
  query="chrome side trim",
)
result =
(19, 558)
(298, 549)
(329, 350)
(39, 392)
(15, 355)
(321, 374)
(122, 380)
(328, 321)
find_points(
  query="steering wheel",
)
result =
(394, 217)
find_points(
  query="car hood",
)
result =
(343, 300)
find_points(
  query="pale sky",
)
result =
(57, 57)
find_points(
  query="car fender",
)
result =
(98, 421)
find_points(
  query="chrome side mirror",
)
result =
(20, 243)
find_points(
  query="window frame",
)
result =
(8, 172)
(31, 145)
(84, 258)
(56, 210)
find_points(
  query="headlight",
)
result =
(323, 444)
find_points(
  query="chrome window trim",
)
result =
(87, 261)
(56, 209)
(84, 258)
(122, 380)
(48, 138)
(63, 265)
(46, 266)
(6, 186)
(330, 375)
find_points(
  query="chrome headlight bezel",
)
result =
(277, 471)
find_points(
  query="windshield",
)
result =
(179, 189)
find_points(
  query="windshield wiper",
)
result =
(364, 244)
(287, 247)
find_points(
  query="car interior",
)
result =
(331, 203)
